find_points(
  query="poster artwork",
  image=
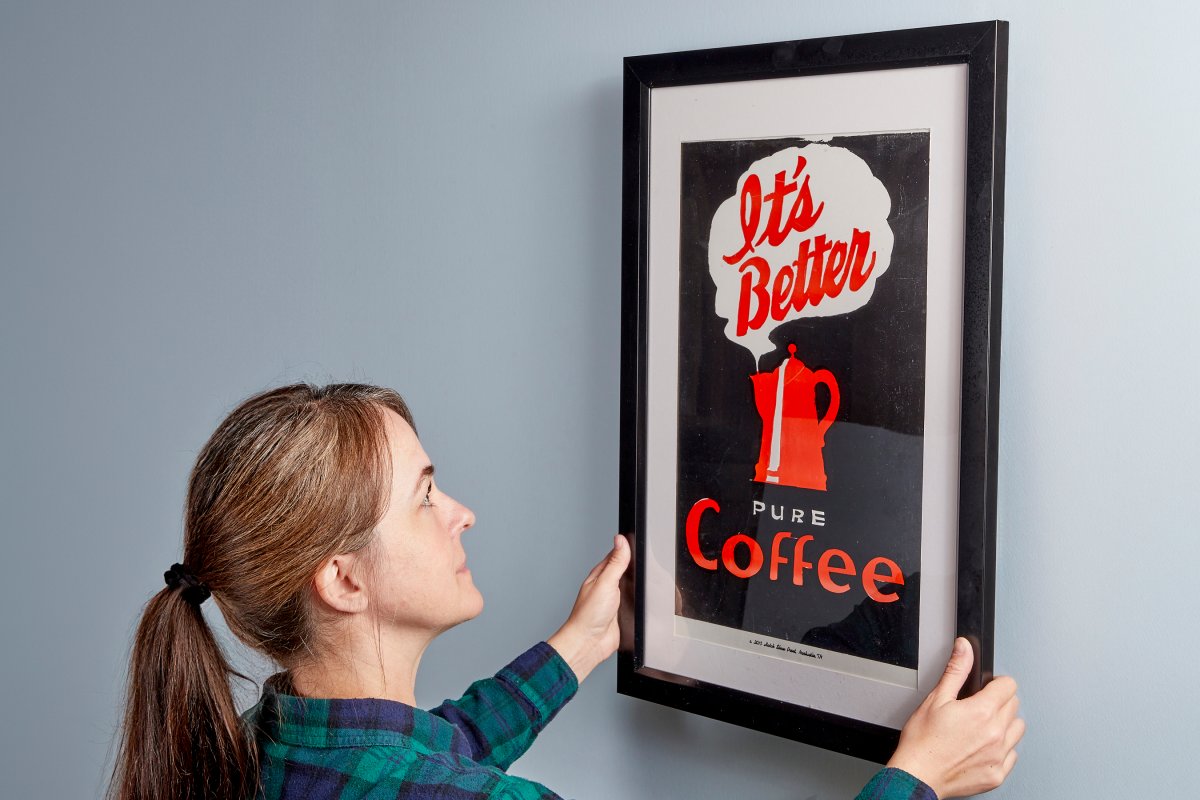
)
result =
(801, 396)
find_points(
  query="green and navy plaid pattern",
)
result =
(384, 750)
(371, 748)
(895, 784)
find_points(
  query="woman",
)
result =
(314, 521)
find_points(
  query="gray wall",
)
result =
(201, 200)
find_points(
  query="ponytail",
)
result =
(182, 737)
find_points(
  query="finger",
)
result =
(1008, 711)
(595, 572)
(1010, 761)
(999, 690)
(957, 670)
(618, 543)
(618, 559)
(1014, 734)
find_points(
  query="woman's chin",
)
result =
(473, 605)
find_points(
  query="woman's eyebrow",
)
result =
(425, 473)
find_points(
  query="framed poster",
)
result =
(812, 239)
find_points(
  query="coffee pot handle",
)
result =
(826, 377)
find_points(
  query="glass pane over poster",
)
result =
(801, 396)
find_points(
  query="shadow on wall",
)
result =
(672, 753)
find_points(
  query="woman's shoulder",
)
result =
(333, 749)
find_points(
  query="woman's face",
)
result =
(420, 578)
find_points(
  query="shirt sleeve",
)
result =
(502, 715)
(896, 784)
(513, 788)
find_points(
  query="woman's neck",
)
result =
(367, 666)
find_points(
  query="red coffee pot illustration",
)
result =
(792, 435)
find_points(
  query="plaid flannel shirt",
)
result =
(382, 749)
(896, 784)
(371, 748)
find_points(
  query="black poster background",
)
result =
(873, 451)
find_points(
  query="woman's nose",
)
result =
(463, 517)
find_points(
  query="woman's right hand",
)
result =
(962, 747)
(591, 634)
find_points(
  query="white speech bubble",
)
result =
(843, 202)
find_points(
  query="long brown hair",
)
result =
(291, 477)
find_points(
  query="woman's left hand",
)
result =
(590, 634)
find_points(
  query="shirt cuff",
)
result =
(896, 784)
(543, 679)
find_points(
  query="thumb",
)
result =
(617, 561)
(957, 670)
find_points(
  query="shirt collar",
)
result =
(362, 722)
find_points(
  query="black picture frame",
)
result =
(982, 48)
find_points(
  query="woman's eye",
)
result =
(427, 500)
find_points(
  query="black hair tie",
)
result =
(195, 591)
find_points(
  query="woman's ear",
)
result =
(340, 583)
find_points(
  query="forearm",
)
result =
(501, 716)
(580, 651)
